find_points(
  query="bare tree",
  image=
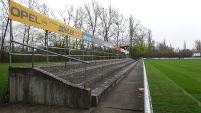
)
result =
(66, 17)
(184, 45)
(197, 45)
(140, 34)
(3, 19)
(27, 30)
(32, 4)
(46, 36)
(92, 15)
(78, 21)
(79, 18)
(120, 25)
(149, 42)
(164, 42)
(4, 10)
(92, 20)
(133, 24)
(107, 20)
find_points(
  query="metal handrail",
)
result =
(53, 47)
(12, 41)
(19, 54)
(105, 56)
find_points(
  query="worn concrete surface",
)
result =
(123, 98)
(101, 91)
(34, 86)
(28, 108)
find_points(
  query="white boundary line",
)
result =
(185, 92)
(147, 99)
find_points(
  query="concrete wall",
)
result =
(27, 85)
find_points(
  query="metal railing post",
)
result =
(32, 57)
(85, 75)
(46, 44)
(10, 46)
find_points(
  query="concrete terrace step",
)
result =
(73, 66)
(53, 85)
(61, 93)
(101, 91)
(77, 76)
(91, 67)
(97, 78)
(100, 78)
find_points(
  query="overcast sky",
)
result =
(174, 20)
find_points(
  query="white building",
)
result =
(197, 54)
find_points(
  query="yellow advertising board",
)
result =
(25, 15)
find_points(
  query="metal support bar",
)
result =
(19, 54)
(65, 38)
(85, 75)
(80, 55)
(46, 44)
(51, 52)
(105, 56)
(108, 54)
(69, 47)
(32, 57)
(11, 39)
(63, 48)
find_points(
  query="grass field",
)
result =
(4, 73)
(175, 85)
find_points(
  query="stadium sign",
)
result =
(96, 40)
(25, 15)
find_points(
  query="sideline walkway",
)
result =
(124, 97)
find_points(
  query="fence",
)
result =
(147, 99)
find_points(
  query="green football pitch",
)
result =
(175, 85)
